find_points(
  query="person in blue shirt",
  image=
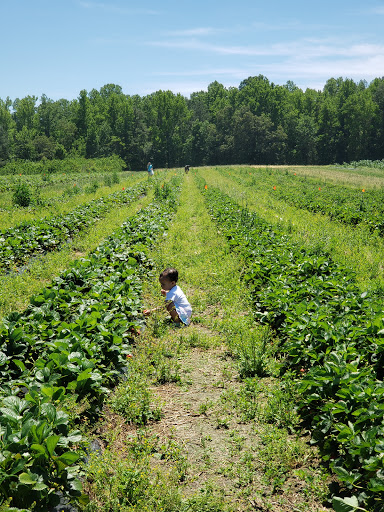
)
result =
(150, 169)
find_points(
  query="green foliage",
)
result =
(331, 335)
(35, 457)
(347, 505)
(71, 341)
(253, 350)
(347, 205)
(257, 123)
(133, 401)
(92, 188)
(22, 195)
(36, 237)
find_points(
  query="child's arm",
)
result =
(147, 312)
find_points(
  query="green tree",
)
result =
(376, 92)
(358, 113)
(24, 147)
(24, 112)
(165, 114)
(45, 147)
(7, 128)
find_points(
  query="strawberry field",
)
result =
(304, 357)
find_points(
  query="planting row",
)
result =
(19, 243)
(70, 347)
(346, 205)
(332, 336)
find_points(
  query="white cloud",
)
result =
(304, 48)
(308, 62)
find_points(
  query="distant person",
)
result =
(176, 302)
(186, 168)
(150, 169)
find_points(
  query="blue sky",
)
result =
(59, 47)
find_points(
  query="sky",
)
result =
(60, 47)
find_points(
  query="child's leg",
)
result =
(172, 311)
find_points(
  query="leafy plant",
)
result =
(133, 400)
(22, 195)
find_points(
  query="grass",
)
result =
(224, 441)
(353, 247)
(359, 177)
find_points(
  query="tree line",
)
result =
(256, 123)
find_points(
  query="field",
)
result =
(271, 400)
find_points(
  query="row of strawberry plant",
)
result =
(19, 243)
(70, 344)
(346, 205)
(330, 331)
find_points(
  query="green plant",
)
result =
(280, 407)
(108, 180)
(133, 400)
(254, 349)
(204, 407)
(92, 188)
(116, 484)
(279, 454)
(48, 234)
(73, 338)
(22, 195)
(347, 505)
(36, 464)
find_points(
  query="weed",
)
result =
(108, 180)
(222, 422)
(199, 340)
(207, 501)
(133, 400)
(126, 485)
(22, 195)
(280, 407)
(173, 451)
(203, 408)
(254, 350)
(92, 188)
(142, 444)
(279, 454)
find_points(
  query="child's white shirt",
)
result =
(183, 307)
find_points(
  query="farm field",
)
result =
(271, 400)
(357, 245)
(58, 193)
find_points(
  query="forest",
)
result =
(256, 123)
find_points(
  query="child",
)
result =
(176, 302)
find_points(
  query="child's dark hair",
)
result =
(171, 274)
